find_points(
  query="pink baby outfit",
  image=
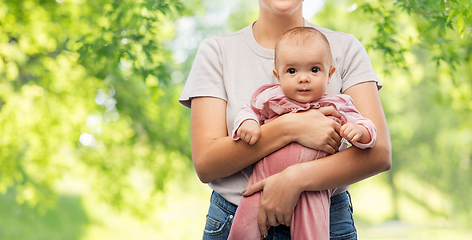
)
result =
(310, 219)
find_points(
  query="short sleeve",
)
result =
(206, 76)
(356, 67)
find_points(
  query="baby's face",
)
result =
(303, 72)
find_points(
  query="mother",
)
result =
(226, 71)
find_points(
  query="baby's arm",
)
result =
(246, 125)
(360, 131)
(249, 131)
(355, 133)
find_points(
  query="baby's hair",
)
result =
(301, 36)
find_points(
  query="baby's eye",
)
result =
(315, 69)
(291, 70)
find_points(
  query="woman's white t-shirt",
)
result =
(231, 67)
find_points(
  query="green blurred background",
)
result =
(94, 144)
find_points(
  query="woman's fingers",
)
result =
(335, 135)
(279, 198)
(272, 219)
(284, 219)
(329, 111)
(330, 147)
(256, 187)
(262, 222)
(332, 140)
(337, 128)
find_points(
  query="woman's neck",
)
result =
(270, 27)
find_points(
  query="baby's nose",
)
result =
(303, 79)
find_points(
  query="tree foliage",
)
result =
(85, 92)
(421, 51)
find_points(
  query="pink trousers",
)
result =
(310, 219)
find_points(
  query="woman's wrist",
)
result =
(288, 127)
(292, 174)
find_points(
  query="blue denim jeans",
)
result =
(341, 223)
(221, 213)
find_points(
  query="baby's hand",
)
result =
(353, 133)
(249, 131)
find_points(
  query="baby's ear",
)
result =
(331, 71)
(276, 74)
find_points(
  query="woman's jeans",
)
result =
(221, 213)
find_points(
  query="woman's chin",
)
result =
(286, 7)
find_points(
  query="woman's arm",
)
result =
(281, 191)
(215, 155)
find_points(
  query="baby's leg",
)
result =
(245, 220)
(245, 224)
(310, 219)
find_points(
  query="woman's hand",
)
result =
(280, 195)
(280, 192)
(314, 130)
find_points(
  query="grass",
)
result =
(182, 217)
(66, 221)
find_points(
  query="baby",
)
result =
(303, 67)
